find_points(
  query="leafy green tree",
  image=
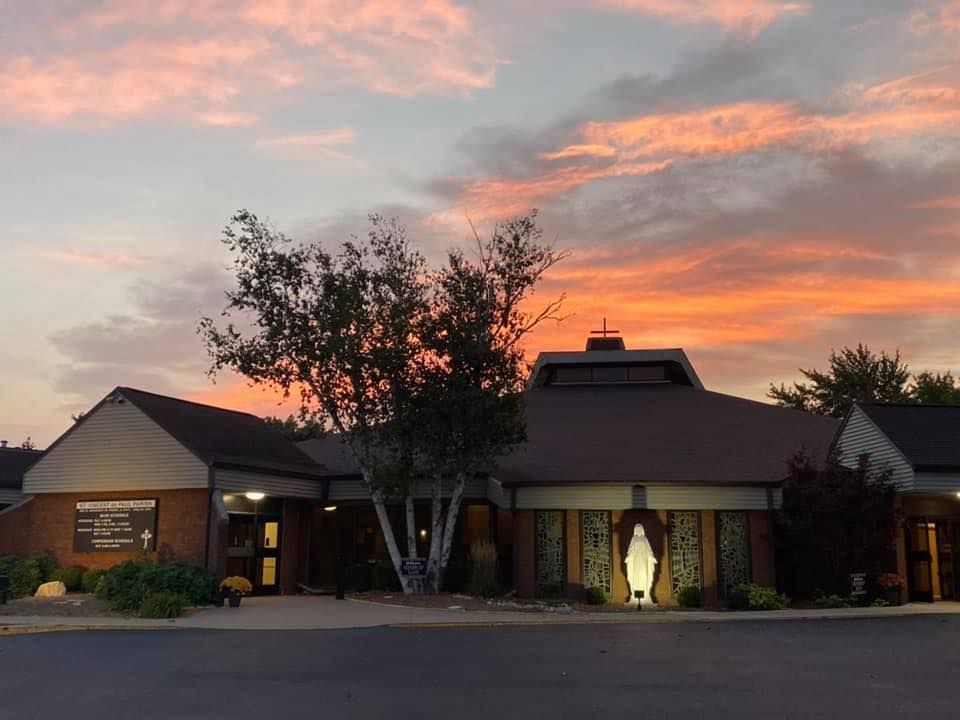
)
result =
(855, 376)
(935, 389)
(834, 521)
(417, 369)
(295, 430)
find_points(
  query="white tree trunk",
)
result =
(450, 526)
(388, 536)
(434, 574)
(411, 527)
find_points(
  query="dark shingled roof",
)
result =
(645, 433)
(223, 437)
(13, 464)
(330, 451)
(659, 433)
(928, 435)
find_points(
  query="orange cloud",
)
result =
(133, 58)
(751, 15)
(938, 16)
(101, 260)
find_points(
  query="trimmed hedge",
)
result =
(689, 597)
(126, 586)
(756, 597)
(26, 574)
(596, 596)
(163, 604)
(71, 577)
(90, 580)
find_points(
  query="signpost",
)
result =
(115, 526)
(413, 567)
(858, 584)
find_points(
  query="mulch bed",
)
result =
(71, 605)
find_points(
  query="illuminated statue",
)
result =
(641, 566)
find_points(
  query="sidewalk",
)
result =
(321, 613)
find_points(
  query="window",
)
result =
(733, 547)
(595, 549)
(550, 552)
(685, 564)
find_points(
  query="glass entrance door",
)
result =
(267, 579)
(946, 532)
(920, 560)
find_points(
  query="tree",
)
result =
(855, 376)
(417, 369)
(835, 521)
(935, 389)
(295, 430)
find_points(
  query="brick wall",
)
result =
(46, 523)
(523, 553)
(761, 555)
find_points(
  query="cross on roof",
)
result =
(604, 332)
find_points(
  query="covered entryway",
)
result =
(932, 559)
(254, 533)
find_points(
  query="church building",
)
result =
(617, 440)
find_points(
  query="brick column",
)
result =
(524, 562)
(574, 584)
(708, 541)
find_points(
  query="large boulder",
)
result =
(51, 589)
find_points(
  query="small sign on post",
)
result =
(413, 567)
(858, 584)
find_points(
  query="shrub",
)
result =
(596, 596)
(90, 579)
(125, 586)
(384, 577)
(483, 569)
(689, 596)
(457, 576)
(24, 574)
(46, 564)
(163, 604)
(358, 578)
(832, 601)
(756, 597)
(71, 577)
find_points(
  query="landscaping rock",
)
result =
(51, 589)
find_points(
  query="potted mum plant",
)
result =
(891, 585)
(233, 588)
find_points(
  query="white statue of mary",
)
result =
(641, 565)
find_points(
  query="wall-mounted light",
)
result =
(423, 534)
(330, 508)
(255, 496)
(958, 493)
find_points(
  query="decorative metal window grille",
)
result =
(685, 564)
(595, 541)
(551, 558)
(733, 540)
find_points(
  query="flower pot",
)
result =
(234, 599)
(892, 595)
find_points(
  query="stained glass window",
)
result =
(685, 564)
(551, 560)
(595, 540)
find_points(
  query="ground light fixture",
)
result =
(255, 496)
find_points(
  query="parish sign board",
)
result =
(115, 525)
(413, 567)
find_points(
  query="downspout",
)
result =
(211, 481)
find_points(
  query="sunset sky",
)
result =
(756, 181)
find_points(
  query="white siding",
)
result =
(276, 485)
(353, 489)
(704, 497)
(861, 437)
(9, 497)
(575, 497)
(937, 482)
(117, 447)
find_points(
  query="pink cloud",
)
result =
(750, 15)
(133, 59)
(102, 260)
